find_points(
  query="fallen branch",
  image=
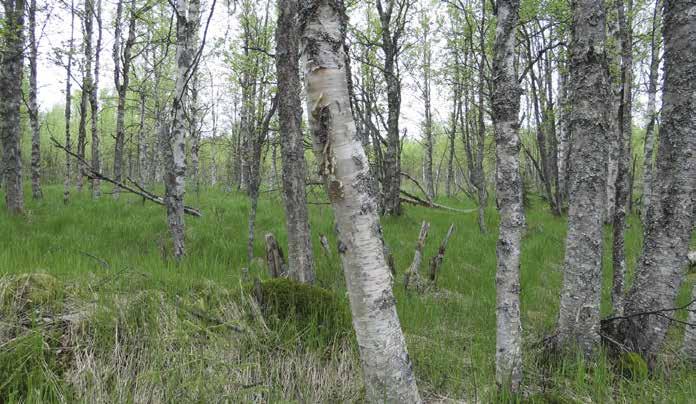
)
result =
(436, 262)
(138, 190)
(659, 313)
(430, 201)
(414, 200)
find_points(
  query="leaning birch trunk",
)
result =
(582, 281)
(300, 253)
(386, 365)
(33, 107)
(10, 101)
(506, 108)
(669, 221)
(651, 131)
(175, 142)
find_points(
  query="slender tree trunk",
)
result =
(428, 122)
(670, 215)
(33, 106)
(68, 106)
(564, 134)
(392, 157)
(187, 13)
(506, 108)
(88, 25)
(121, 81)
(613, 146)
(300, 253)
(94, 102)
(10, 102)
(142, 142)
(344, 166)
(651, 130)
(625, 10)
(582, 281)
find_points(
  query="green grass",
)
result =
(145, 329)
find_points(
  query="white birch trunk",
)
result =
(343, 163)
(506, 108)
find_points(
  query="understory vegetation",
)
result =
(92, 309)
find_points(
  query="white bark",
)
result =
(506, 107)
(33, 108)
(174, 144)
(343, 163)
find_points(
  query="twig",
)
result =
(139, 191)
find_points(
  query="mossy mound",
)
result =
(317, 311)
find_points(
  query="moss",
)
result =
(321, 312)
(634, 366)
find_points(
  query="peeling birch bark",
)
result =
(506, 109)
(386, 365)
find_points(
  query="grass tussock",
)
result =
(146, 345)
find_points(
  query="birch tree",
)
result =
(506, 107)
(625, 122)
(669, 220)
(10, 101)
(94, 98)
(294, 171)
(186, 13)
(651, 129)
(582, 281)
(33, 107)
(393, 16)
(68, 105)
(343, 164)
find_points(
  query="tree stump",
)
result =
(436, 262)
(412, 277)
(274, 257)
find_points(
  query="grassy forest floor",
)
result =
(90, 311)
